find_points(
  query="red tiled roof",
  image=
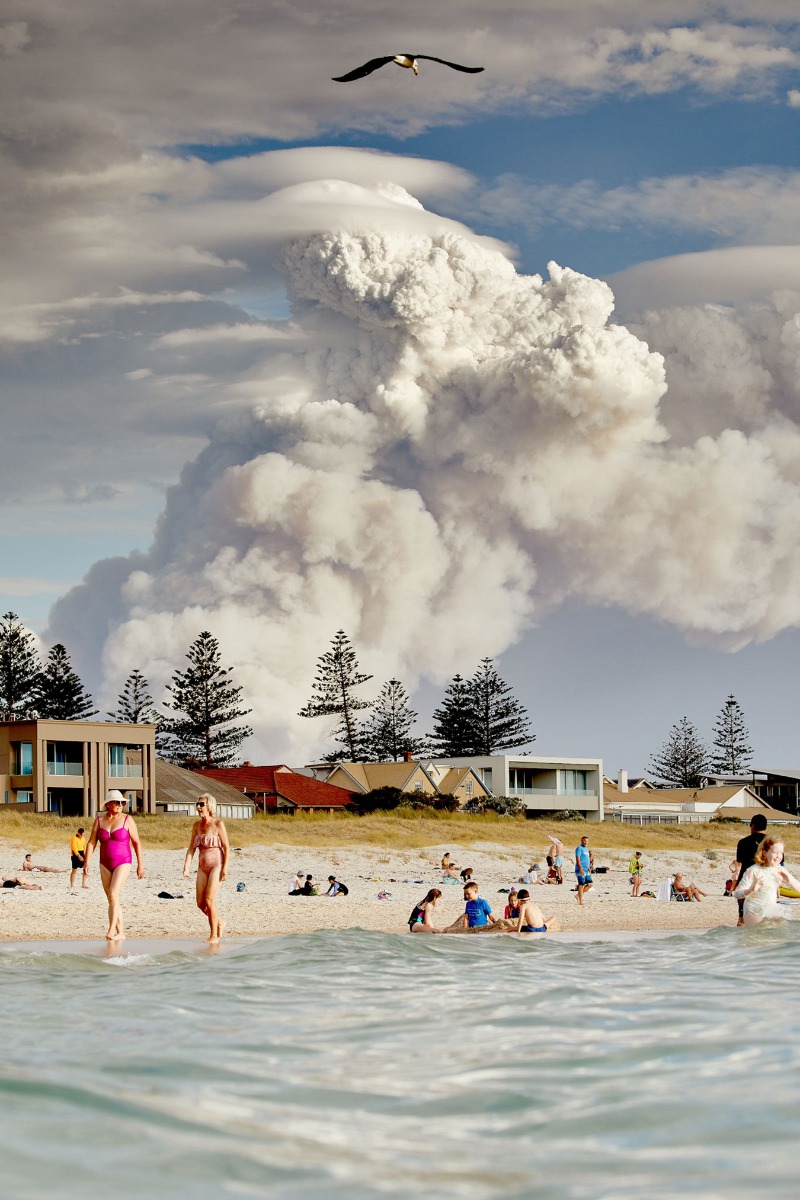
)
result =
(280, 780)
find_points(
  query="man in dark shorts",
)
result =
(77, 853)
(746, 850)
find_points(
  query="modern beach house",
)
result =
(546, 785)
(66, 767)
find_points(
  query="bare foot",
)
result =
(115, 937)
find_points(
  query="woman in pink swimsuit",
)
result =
(210, 839)
(116, 835)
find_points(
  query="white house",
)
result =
(546, 785)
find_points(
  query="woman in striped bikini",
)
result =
(210, 839)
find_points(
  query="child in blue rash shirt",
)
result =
(478, 917)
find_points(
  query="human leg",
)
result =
(113, 883)
(212, 882)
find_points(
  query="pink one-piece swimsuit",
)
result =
(115, 847)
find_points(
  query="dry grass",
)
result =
(404, 829)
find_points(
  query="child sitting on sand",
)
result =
(530, 919)
(477, 916)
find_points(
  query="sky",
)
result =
(501, 364)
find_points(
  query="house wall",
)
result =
(548, 791)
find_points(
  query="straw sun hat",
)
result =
(115, 797)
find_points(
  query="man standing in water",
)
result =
(583, 868)
(746, 851)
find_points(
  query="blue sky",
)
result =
(145, 321)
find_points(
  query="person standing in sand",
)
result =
(116, 835)
(77, 852)
(583, 868)
(746, 850)
(635, 871)
(210, 839)
(557, 852)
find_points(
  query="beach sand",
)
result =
(266, 908)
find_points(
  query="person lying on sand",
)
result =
(689, 890)
(11, 881)
(530, 919)
(29, 865)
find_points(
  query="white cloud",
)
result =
(733, 275)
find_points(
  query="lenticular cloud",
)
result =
(441, 449)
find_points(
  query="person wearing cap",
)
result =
(117, 836)
(296, 883)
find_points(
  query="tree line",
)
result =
(478, 715)
(198, 729)
(684, 759)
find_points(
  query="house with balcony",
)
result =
(66, 767)
(545, 785)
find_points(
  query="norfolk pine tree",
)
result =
(683, 759)
(732, 754)
(19, 669)
(206, 703)
(454, 721)
(338, 676)
(500, 721)
(135, 706)
(59, 693)
(386, 736)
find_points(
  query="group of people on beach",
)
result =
(524, 916)
(115, 836)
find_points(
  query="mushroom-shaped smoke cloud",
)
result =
(443, 448)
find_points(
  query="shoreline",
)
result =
(264, 907)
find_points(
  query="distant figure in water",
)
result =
(421, 918)
(760, 885)
(210, 839)
(116, 834)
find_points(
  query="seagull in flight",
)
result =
(402, 60)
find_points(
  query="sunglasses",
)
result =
(200, 804)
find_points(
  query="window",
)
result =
(125, 762)
(573, 782)
(24, 796)
(468, 787)
(22, 758)
(418, 787)
(64, 758)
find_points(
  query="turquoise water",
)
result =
(367, 1065)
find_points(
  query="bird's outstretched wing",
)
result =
(367, 69)
(455, 66)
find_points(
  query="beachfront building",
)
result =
(66, 767)
(545, 785)
(177, 790)
(664, 806)
(415, 778)
(280, 789)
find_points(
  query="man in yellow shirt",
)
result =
(77, 849)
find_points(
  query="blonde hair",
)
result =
(211, 803)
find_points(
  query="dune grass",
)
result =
(403, 829)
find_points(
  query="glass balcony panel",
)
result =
(64, 768)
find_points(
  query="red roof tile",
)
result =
(298, 789)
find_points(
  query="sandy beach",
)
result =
(265, 907)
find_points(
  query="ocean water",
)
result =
(357, 1064)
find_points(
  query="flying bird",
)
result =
(402, 60)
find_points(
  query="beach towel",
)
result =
(665, 890)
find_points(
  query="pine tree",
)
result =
(386, 736)
(501, 722)
(454, 728)
(59, 693)
(207, 703)
(19, 669)
(135, 706)
(733, 754)
(683, 759)
(338, 676)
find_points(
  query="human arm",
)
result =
(226, 849)
(90, 845)
(787, 879)
(187, 862)
(137, 848)
(748, 884)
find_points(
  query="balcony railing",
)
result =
(526, 791)
(64, 768)
(125, 770)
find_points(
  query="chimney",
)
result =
(408, 756)
(622, 780)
